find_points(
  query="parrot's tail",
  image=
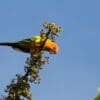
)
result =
(6, 44)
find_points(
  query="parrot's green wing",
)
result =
(27, 45)
(36, 39)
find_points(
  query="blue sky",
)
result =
(74, 72)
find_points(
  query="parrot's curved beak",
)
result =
(56, 49)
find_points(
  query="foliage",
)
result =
(98, 96)
(19, 88)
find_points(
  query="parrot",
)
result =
(32, 44)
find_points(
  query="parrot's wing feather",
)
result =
(25, 40)
(24, 46)
(32, 39)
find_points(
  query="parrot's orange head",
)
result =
(51, 46)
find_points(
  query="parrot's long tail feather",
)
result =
(20, 46)
(6, 44)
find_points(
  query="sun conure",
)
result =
(32, 44)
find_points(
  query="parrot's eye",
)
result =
(54, 48)
(52, 41)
